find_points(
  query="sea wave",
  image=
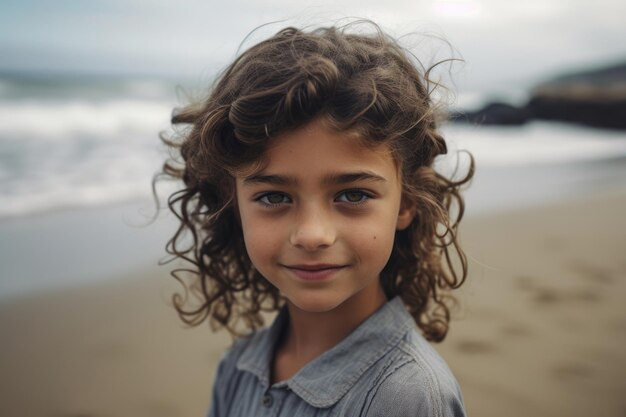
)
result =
(535, 143)
(51, 179)
(56, 119)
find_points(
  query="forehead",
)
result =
(317, 146)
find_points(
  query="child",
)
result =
(309, 190)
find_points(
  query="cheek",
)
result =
(374, 242)
(262, 240)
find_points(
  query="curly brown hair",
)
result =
(363, 83)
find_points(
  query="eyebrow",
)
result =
(331, 179)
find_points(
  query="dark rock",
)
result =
(603, 114)
(594, 98)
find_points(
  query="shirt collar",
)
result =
(323, 381)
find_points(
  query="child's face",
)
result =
(319, 220)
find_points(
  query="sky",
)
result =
(502, 42)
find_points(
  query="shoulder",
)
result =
(416, 383)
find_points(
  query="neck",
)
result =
(310, 334)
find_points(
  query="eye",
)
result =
(273, 199)
(354, 197)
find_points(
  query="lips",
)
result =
(314, 272)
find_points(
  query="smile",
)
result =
(314, 272)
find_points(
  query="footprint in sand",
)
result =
(515, 329)
(591, 272)
(570, 371)
(475, 347)
(545, 296)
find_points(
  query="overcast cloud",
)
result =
(501, 41)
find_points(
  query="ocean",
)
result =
(78, 143)
(77, 155)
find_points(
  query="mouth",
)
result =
(316, 272)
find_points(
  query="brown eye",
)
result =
(353, 196)
(273, 199)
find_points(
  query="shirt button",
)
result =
(267, 400)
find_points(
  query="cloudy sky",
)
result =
(502, 42)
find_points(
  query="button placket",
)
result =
(267, 400)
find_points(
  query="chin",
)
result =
(315, 304)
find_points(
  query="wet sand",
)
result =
(540, 329)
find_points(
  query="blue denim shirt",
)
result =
(383, 368)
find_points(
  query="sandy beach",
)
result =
(540, 329)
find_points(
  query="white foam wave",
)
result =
(75, 191)
(536, 143)
(89, 195)
(53, 120)
(73, 175)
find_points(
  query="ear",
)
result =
(406, 214)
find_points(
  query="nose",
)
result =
(313, 230)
